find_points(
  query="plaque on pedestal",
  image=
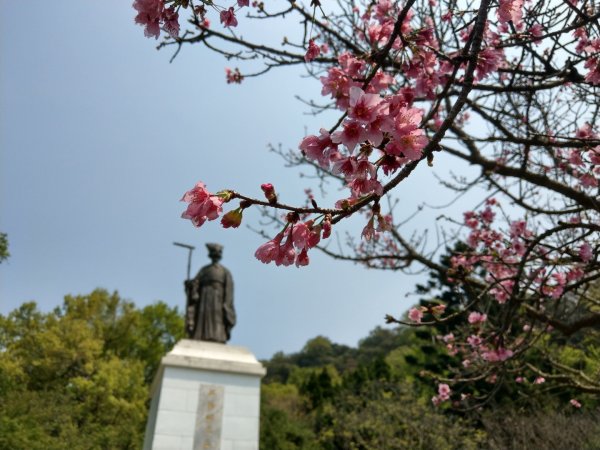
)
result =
(205, 396)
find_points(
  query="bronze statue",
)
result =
(210, 315)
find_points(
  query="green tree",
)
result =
(4, 254)
(78, 377)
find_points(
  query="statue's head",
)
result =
(215, 252)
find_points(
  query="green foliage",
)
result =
(383, 414)
(378, 395)
(78, 377)
(284, 424)
(4, 254)
(369, 405)
(571, 363)
(543, 431)
(320, 352)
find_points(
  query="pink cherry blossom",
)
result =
(314, 236)
(364, 108)
(448, 338)
(364, 186)
(594, 155)
(233, 76)
(352, 134)
(337, 84)
(368, 233)
(242, 3)
(539, 380)
(488, 61)
(286, 254)
(585, 252)
(585, 132)
(575, 403)
(415, 314)
(518, 228)
(364, 169)
(149, 15)
(312, 51)
(301, 235)
(536, 31)
(380, 82)
(268, 251)
(374, 131)
(500, 354)
(511, 10)
(409, 139)
(593, 65)
(170, 18)
(384, 223)
(326, 227)
(487, 215)
(444, 391)
(351, 65)
(346, 166)
(228, 18)
(555, 287)
(302, 258)
(476, 317)
(474, 341)
(319, 148)
(470, 219)
(202, 205)
(575, 158)
(588, 180)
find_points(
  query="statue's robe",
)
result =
(212, 297)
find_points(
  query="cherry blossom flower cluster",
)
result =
(387, 127)
(479, 347)
(154, 15)
(591, 48)
(508, 256)
(416, 314)
(444, 392)
(233, 76)
(582, 163)
(291, 245)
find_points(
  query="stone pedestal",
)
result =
(206, 396)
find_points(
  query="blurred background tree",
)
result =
(4, 254)
(78, 377)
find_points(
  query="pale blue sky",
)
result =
(99, 138)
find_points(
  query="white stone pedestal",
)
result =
(206, 396)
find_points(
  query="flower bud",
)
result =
(232, 219)
(326, 226)
(269, 191)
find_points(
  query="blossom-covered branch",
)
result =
(509, 87)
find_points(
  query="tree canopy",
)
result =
(78, 377)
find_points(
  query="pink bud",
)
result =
(269, 191)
